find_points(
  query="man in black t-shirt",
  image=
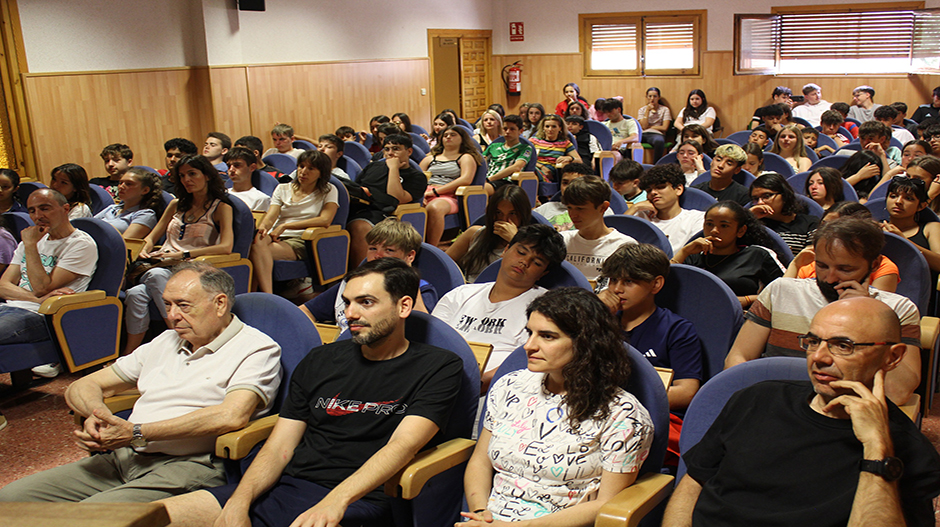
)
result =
(357, 411)
(795, 453)
(378, 191)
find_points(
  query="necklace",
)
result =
(716, 264)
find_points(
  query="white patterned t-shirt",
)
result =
(540, 464)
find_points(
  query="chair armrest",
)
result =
(929, 331)
(311, 233)
(328, 332)
(134, 245)
(518, 176)
(428, 464)
(633, 503)
(468, 190)
(219, 258)
(51, 306)
(912, 407)
(237, 444)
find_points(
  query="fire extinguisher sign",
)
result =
(516, 32)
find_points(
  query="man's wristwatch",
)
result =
(138, 441)
(890, 468)
(186, 255)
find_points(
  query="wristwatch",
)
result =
(138, 441)
(890, 468)
(186, 255)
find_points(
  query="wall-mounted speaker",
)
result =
(251, 5)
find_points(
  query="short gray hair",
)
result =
(212, 279)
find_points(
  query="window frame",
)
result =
(776, 13)
(698, 19)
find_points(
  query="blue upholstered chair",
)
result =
(641, 230)
(264, 181)
(350, 167)
(798, 182)
(775, 163)
(282, 162)
(740, 138)
(303, 145)
(693, 198)
(357, 153)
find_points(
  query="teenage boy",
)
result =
(587, 143)
(901, 107)
(214, 149)
(761, 136)
(780, 95)
(117, 159)
(175, 150)
(282, 135)
(346, 133)
(876, 136)
(813, 104)
(811, 140)
(255, 145)
(888, 115)
(381, 187)
(663, 185)
(505, 158)
(843, 110)
(771, 117)
(242, 163)
(927, 111)
(489, 312)
(623, 130)
(728, 161)
(830, 122)
(625, 180)
(555, 211)
(391, 238)
(587, 199)
(863, 104)
(636, 274)
(333, 147)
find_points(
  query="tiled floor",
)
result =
(38, 435)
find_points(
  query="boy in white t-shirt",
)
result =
(555, 211)
(494, 312)
(663, 185)
(282, 135)
(242, 163)
(587, 198)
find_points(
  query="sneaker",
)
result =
(48, 370)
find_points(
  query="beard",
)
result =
(829, 290)
(372, 333)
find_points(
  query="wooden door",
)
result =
(474, 70)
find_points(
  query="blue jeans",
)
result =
(21, 326)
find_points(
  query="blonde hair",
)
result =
(799, 151)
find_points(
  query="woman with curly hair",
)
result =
(776, 205)
(733, 248)
(507, 210)
(452, 163)
(569, 399)
(197, 223)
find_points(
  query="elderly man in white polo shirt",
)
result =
(207, 376)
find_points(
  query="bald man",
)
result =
(832, 451)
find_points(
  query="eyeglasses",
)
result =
(839, 346)
(764, 197)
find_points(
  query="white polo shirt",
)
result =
(175, 381)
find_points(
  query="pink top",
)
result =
(182, 236)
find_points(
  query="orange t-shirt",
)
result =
(884, 269)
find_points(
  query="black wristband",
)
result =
(478, 511)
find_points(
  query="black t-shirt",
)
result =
(743, 271)
(375, 177)
(734, 192)
(111, 185)
(797, 234)
(925, 111)
(352, 405)
(789, 465)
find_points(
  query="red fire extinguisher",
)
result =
(512, 78)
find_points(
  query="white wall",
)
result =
(88, 35)
(551, 26)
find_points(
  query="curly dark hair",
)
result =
(215, 187)
(600, 366)
(79, 179)
(756, 233)
(153, 199)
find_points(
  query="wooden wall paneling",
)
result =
(318, 98)
(734, 97)
(74, 116)
(230, 102)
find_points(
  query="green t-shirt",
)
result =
(499, 156)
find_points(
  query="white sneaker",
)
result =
(48, 370)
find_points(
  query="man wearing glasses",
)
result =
(832, 451)
(846, 252)
(378, 191)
